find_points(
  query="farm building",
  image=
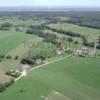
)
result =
(59, 52)
(81, 52)
(24, 69)
(39, 60)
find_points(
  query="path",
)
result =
(43, 65)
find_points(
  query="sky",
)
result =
(89, 3)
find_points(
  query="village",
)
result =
(28, 64)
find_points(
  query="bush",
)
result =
(17, 57)
(29, 31)
(0, 60)
(27, 61)
(50, 38)
(2, 88)
(9, 57)
(76, 42)
(6, 26)
(2, 56)
(70, 39)
(7, 84)
(39, 57)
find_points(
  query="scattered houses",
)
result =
(81, 52)
(26, 66)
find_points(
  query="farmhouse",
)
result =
(39, 60)
(13, 73)
(81, 52)
(24, 69)
(59, 52)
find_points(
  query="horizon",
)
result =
(52, 3)
(46, 8)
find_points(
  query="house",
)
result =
(81, 52)
(24, 69)
(59, 52)
(38, 61)
(45, 62)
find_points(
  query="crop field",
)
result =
(43, 49)
(26, 22)
(61, 36)
(6, 39)
(50, 65)
(89, 32)
(19, 47)
(13, 44)
(77, 81)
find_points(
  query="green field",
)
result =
(18, 21)
(15, 44)
(61, 36)
(78, 81)
(11, 39)
(63, 77)
(78, 29)
(43, 49)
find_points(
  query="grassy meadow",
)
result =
(6, 38)
(18, 21)
(78, 81)
(89, 32)
(19, 47)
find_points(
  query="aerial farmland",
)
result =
(49, 55)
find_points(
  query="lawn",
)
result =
(75, 78)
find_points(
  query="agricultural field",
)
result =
(12, 43)
(43, 49)
(18, 21)
(74, 81)
(78, 29)
(61, 36)
(6, 38)
(46, 64)
(88, 32)
(19, 47)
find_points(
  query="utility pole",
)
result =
(92, 51)
(95, 47)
